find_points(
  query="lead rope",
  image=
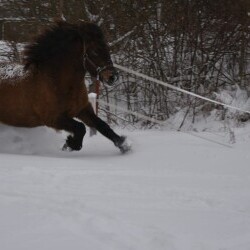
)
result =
(177, 89)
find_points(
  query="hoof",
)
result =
(124, 144)
(71, 145)
(66, 148)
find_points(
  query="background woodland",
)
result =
(198, 45)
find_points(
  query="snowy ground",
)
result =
(172, 192)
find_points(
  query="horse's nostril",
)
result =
(113, 78)
(109, 76)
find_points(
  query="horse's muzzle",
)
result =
(109, 76)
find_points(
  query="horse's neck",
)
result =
(69, 75)
(70, 63)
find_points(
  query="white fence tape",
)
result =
(176, 88)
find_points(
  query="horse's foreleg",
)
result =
(77, 130)
(88, 116)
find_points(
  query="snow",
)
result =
(5, 51)
(12, 71)
(172, 192)
(10, 51)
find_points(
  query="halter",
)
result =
(97, 68)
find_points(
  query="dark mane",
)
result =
(52, 42)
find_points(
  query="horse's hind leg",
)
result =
(77, 130)
(88, 116)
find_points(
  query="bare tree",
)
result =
(199, 45)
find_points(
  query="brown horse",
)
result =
(49, 90)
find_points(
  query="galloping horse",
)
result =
(51, 90)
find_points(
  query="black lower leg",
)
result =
(78, 130)
(105, 130)
(92, 120)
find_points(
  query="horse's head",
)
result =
(96, 54)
